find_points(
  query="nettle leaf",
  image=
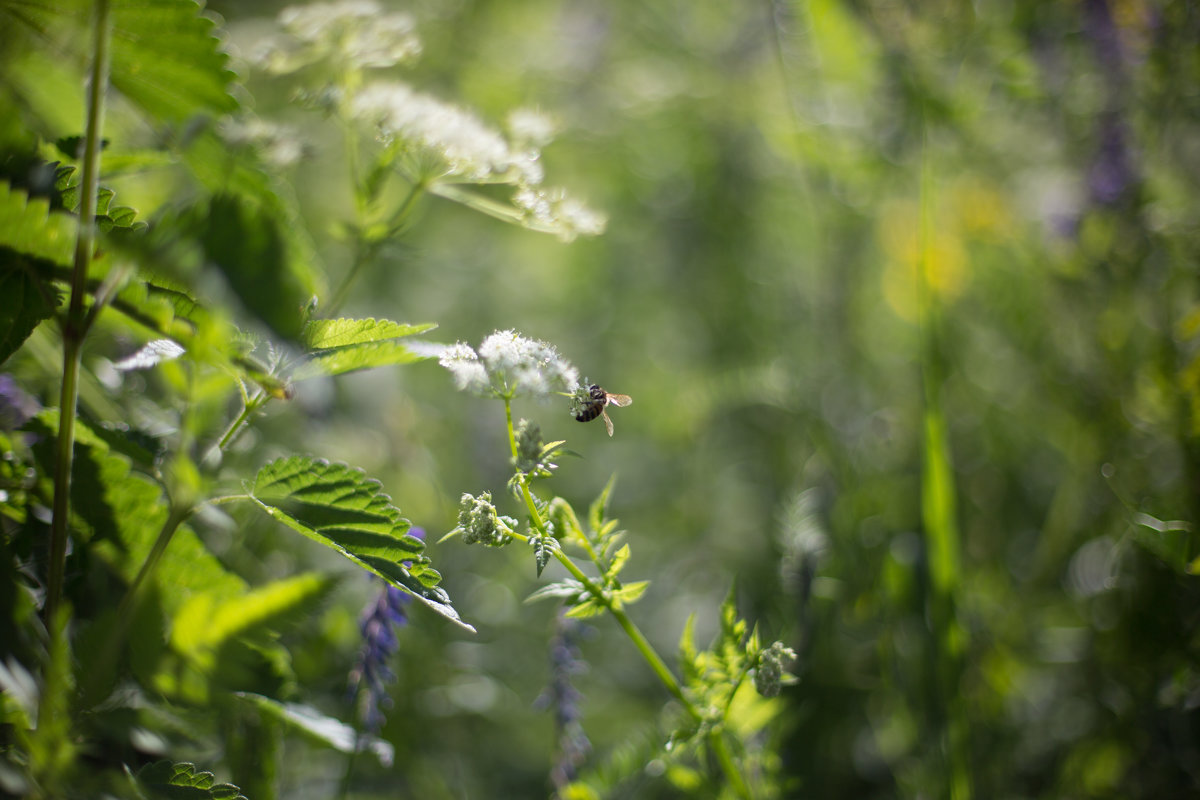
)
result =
(182, 781)
(208, 620)
(24, 307)
(325, 334)
(119, 513)
(321, 728)
(28, 226)
(245, 240)
(345, 345)
(167, 59)
(343, 509)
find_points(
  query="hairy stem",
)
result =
(73, 327)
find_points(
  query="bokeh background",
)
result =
(829, 224)
(905, 294)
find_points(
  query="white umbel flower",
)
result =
(509, 364)
(457, 138)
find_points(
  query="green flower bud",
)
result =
(479, 522)
(768, 676)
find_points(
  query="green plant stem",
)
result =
(635, 634)
(249, 406)
(74, 328)
(651, 656)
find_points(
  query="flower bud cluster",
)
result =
(479, 522)
(508, 365)
(529, 447)
(768, 676)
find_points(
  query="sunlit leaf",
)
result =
(321, 728)
(324, 334)
(28, 226)
(631, 592)
(343, 509)
(166, 58)
(182, 781)
(207, 620)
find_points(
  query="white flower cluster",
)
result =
(554, 211)
(508, 364)
(457, 138)
(354, 33)
(279, 145)
(451, 143)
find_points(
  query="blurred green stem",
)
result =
(74, 327)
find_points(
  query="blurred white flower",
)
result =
(553, 211)
(457, 138)
(278, 145)
(354, 33)
(531, 127)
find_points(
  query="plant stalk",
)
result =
(74, 327)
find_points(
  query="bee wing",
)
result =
(607, 422)
(619, 399)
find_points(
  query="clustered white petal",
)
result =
(279, 145)
(509, 364)
(355, 32)
(467, 146)
(554, 211)
(469, 374)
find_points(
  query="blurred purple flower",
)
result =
(563, 699)
(16, 405)
(378, 625)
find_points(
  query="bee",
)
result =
(593, 405)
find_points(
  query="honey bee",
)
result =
(593, 405)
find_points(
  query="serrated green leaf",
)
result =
(206, 621)
(562, 590)
(167, 59)
(343, 509)
(565, 522)
(181, 781)
(321, 728)
(588, 608)
(599, 508)
(28, 226)
(618, 563)
(120, 512)
(542, 551)
(630, 593)
(24, 305)
(323, 334)
(357, 357)
(246, 242)
(687, 650)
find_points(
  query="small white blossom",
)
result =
(553, 211)
(530, 127)
(528, 365)
(465, 145)
(279, 145)
(509, 364)
(356, 33)
(463, 363)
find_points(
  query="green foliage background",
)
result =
(906, 298)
